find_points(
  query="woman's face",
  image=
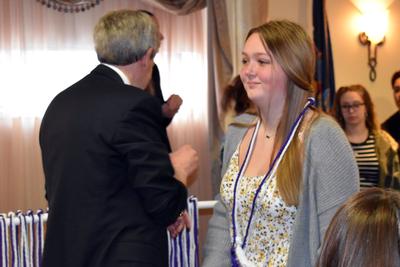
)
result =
(353, 108)
(262, 76)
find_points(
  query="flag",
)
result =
(324, 72)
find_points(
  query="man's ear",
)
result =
(148, 57)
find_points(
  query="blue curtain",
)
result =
(324, 75)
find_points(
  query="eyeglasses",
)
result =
(354, 106)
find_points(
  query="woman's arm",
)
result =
(331, 175)
(218, 241)
(387, 148)
(336, 172)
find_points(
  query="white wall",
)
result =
(350, 57)
(299, 11)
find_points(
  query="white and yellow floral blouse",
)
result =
(271, 228)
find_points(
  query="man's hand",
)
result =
(171, 107)
(181, 223)
(185, 161)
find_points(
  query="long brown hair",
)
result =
(370, 119)
(234, 97)
(235, 101)
(364, 232)
(293, 50)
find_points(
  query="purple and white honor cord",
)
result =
(183, 250)
(238, 257)
(4, 241)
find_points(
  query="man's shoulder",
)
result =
(392, 126)
(392, 120)
(102, 88)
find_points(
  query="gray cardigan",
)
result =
(330, 177)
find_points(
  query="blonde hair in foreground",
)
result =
(294, 52)
(364, 232)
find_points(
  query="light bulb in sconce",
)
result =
(374, 24)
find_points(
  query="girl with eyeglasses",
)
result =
(374, 149)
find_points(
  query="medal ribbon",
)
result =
(238, 244)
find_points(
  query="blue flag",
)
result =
(324, 73)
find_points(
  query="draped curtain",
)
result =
(228, 24)
(179, 7)
(43, 51)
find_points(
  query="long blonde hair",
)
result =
(293, 50)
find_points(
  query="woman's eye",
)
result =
(264, 61)
(244, 60)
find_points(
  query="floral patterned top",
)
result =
(271, 228)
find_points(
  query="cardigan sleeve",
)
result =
(335, 166)
(217, 246)
(332, 177)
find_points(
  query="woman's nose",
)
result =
(249, 69)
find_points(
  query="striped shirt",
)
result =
(367, 161)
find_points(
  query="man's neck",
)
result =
(120, 72)
(135, 74)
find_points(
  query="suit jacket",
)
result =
(392, 126)
(155, 79)
(108, 177)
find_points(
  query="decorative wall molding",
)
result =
(70, 6)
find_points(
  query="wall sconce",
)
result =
(373, 25)
(372, 53)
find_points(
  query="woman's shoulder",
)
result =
(244, 118)
(326, 133)
(241, 123)
(385, 137)
(325, 124)
(324, 120)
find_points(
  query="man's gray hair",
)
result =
(122, 37)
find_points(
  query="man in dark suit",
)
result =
(109, 178)
(171, 106)
(392, 124)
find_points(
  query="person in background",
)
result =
(285, 170)
(111, 185)
(374, 149)
(171, 106)
(234, 101)
(364, 232)
(392, 124)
